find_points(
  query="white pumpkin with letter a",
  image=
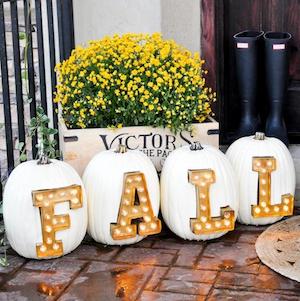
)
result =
(266, 194)
(29, 231)
(183, 201)
(107, 179)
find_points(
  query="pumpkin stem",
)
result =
(121, 149)
(259, 136)
(196, 146)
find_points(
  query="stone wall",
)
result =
(175, 19)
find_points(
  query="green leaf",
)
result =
(22, 36)
(20, 146)
(24, 75)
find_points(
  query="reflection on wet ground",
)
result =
(161, 267)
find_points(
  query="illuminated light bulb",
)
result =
(276, 209)
(218, 224)
(62, 220)
(128, 229)
(49, 241)
(227, 223)
(270, 163)
(124, 212)
(207, 225)
(257, 210)
(263, 204)
(74, 191)
(54, 221)
(140, 189)
(143, 199)
(142, 227)
(39, 197)
(46, 203)
(257, 163)
(147, 218)
(138, 179)
(263, 170)
(286, 208)
(263, 181)
(145, 209)
(134, 210)
(127, 190)
(117, 232)
(47, 216)
(123, 223)
(263, 192)
(129, 180)
(207, 176)
(203, 207)
(62, 194)
(198, 226)
(202, 195)
(43, 248)
(203, 219)
(153, 226)
(126, 202)
(55, 246)
(202, 183)
(75, 201)
(286, 200)
(50, 196)
(267, 209)
(227, 215)
(48, 229)
(196, 177)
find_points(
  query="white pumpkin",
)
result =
(240, 154)
(103, 179)
(23, 220)
(178, 196)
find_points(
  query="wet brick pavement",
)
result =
(161, 267)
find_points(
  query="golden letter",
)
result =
(204, 223)
(46, 201)
(135, 183)
(264, 166)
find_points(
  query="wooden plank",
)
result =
(80, 145)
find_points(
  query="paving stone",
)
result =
(146, 256)
(230, 237)
(183, 274)
(14, 263)
(107, 281)
(237, 257)
(249, 237)
(185, 287)
(263, 282)
(158, 296)
(54, 265)
(94, 252)
(145, 243)
(156, 277)
(187, 252)
(230, 295)
(41, 279)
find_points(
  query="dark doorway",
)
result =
(221, 19)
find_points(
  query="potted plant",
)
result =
(135, 89)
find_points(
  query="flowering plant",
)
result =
(134, 79)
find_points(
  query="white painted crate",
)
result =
(80, 145)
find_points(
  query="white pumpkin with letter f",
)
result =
(44, 209)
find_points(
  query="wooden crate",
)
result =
(80, 145)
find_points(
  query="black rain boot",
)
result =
(276, 69)
(247, 56)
